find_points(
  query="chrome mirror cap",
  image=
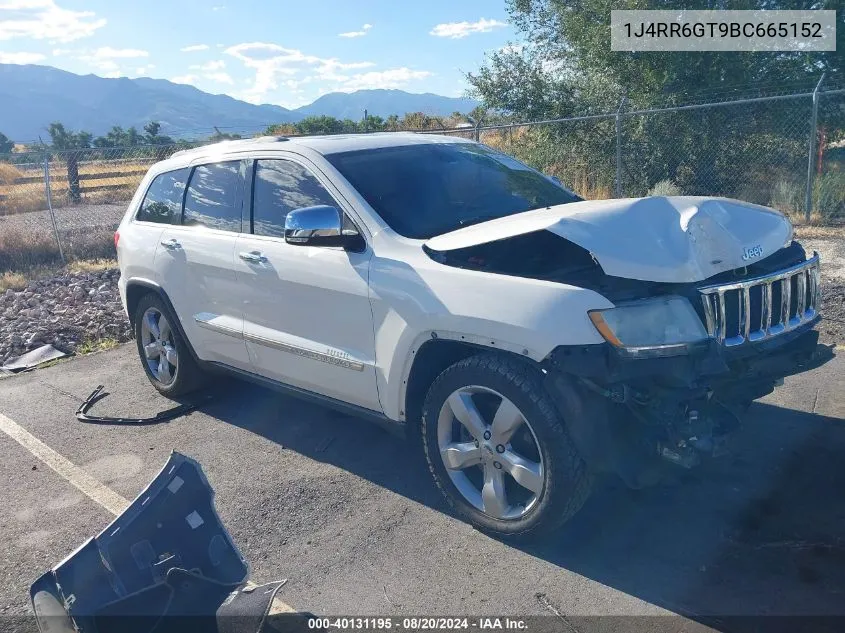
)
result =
(314, 226)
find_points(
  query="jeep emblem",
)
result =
(752, 252)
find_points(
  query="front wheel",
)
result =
(498, 449)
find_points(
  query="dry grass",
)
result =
(15, 281)
(8, 173)
(91, 265)
(815, 232)
(23, 251)
(20, 198)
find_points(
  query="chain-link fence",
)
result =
(66, 204)
(785, 151)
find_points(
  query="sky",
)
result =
(272, 51)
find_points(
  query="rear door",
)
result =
(160, 208)
(307, 316)
(195, 261)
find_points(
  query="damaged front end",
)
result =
(679, 400)
(713, 304)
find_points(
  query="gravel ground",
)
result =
(63, 311)
(832, 252)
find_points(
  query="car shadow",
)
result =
(756, 533)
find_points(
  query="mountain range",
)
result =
(32, 96)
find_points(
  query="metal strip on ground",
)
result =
(76, 476)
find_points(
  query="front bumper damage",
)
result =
(631, 415)
(167, 564)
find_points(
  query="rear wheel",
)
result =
(164, 354)
(498, 449)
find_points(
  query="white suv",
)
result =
(530, 338)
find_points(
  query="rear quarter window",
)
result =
(163, 201)
(212, 199)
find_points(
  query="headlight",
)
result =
(653, 327)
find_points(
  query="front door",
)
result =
(306, 309)
(195, 262)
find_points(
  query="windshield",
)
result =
(429, 189)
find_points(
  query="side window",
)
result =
(280, 187)
(212, 199)
(163, 201)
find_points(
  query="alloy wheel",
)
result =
(159, 348)
(490, 452)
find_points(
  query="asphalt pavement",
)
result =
(347, 512)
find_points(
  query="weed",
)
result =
(15, 281)
(665, 188)
(90, 346)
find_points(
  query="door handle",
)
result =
(255, 257)
(172, 244)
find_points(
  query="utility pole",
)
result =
(808, 198)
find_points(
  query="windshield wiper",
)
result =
(478, 219)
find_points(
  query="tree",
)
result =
(321, 124)
(281, 129)
(153, 137)
(222, 136)
(567, 65)
(372, 123)
(68, 143)
(6, 146)
(133, 138)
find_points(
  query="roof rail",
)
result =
(255, 139)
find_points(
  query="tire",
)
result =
(182, 375)
(488, 380)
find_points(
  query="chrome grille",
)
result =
(757, 309)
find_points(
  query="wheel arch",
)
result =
(137, 289)
(432, 358)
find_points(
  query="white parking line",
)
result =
(76, 476)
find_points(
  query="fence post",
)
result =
(478, 130)
(619, 148)
(808, 199)
(50, 204)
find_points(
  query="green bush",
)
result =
(788, 197)
(829, 195)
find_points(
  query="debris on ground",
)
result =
(98, 394)
(63, 311)
(165, 565)
(32, 359)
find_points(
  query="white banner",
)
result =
(685, 30)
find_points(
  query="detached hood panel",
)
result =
(664, 239)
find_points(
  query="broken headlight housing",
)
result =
(663, 326)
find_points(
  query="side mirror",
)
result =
(320, 225)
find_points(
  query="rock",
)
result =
(63, 311)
